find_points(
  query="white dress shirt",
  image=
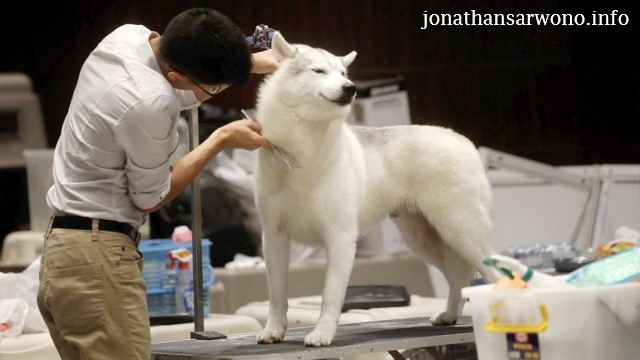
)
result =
(112, 157)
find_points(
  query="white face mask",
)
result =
(188, 99)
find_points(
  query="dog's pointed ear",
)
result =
(281, 48)
(348, 59)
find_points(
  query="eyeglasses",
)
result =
(213, 91)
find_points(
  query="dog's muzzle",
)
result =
(348, 92)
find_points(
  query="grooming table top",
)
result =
(350, 339)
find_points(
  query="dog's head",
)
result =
(313, 73)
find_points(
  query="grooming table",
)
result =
(350, 339)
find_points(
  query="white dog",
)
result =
(430, 179)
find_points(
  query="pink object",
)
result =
(181, 234)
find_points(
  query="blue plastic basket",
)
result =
(160, 294)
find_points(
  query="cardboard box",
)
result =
(380, 103)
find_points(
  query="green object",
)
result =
(509, 273)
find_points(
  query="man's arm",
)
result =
(243, 134)
(263, 62)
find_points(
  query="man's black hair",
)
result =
(207, 47)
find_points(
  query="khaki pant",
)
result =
(92, 295)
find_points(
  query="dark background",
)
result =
(558, 94)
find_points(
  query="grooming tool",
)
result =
(288, 160)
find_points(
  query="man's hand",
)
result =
(244, 134)
(264, 62)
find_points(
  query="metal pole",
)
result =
(196, 229)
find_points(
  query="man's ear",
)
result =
(281, 48)
(174, 76)
(178, 80)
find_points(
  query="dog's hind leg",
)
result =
(459, 274)
(466, 231)
(341, 251)
(276, 249)
(427, 243)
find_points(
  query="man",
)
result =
(111, 168)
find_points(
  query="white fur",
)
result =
(429, 178)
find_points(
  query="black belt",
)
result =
(85, 223)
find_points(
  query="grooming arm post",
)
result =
(196, 228)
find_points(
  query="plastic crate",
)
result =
(160, 294)
(588, 323)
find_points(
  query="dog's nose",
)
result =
(349, 89)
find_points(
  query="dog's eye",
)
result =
(318, 71)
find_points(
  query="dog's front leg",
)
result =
(276, 254)
(341, 250)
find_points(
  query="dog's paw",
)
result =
(270, 336)
(319, 338)
(443, 318)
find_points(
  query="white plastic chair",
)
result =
(17, 96)
(21, 247)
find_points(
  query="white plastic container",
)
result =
(592, 323)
